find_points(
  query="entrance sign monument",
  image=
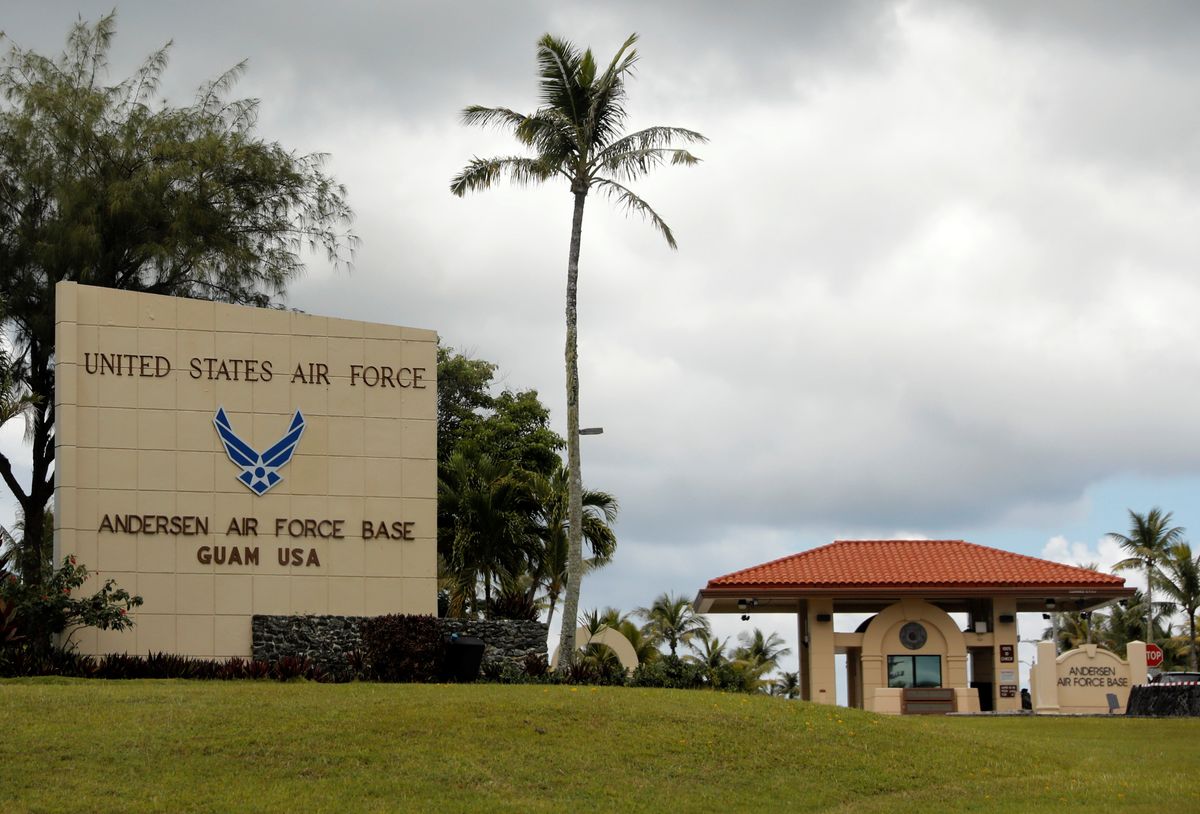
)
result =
(1080, 680)
(224, 461)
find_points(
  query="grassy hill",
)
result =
(75, 745)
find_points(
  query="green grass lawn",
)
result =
(80, 746)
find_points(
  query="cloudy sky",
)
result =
(936, 275)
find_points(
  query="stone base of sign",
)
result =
(510, 640)
(1165, 700)
(328, 640)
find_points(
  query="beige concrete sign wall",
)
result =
(224, 461)
(1080, 680)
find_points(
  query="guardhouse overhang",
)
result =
(863, 576)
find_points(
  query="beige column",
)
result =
(821, 668)
(1005, 635)
(1044, 679)
(804, 659)
(872, 678)
(1135, 653)
(854, 678)
(956, 670)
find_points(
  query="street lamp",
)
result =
(592, 431)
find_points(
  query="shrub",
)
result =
(120, 666)
(257, 669)
(493, 670)
(670, 672)
(606, 667)
(403, 647)
(170, 665)
(8, 623)
(356, 663)
(53, 607)
(513, 603)
(290, 667)
(734, 677)
(535, 665)
(231, 669)
(581, 672)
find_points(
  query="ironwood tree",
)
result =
(101, 185)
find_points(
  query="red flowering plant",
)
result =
(56, 606)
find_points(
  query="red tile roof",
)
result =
(911, 564)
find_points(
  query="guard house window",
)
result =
(914, 671)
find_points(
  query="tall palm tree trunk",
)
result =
(1192, 639)
(570, 609)
(1149, 600)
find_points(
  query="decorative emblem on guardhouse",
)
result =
(259, 471)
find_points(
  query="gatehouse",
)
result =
(911, 654)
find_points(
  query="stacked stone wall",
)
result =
(1162, 700)
(329, 640)
(506, 639)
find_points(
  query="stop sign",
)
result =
(1154, 655)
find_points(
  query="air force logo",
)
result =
(259, 471)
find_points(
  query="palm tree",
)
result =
(577, 134)
(1075, 629)
(709, 651)
(787, 686)
(486, 536)
(1071, 629)
(613, 617)
(761, 651)
(1123, 623)
(673, 620)
(551, 528)
(1149, 538)
(645, 647)
(1184, 645)
(1179, 578)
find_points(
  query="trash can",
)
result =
(463, 657)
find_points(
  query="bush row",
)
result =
(396, 648)
(21, 661)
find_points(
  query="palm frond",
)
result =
(631, 165)
(483, 173)
(605, 503)
(648, 138)
(605, 114)
(558, 67)
(551, 135)
(628, 200)
(1129, 564)
(492, 116)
